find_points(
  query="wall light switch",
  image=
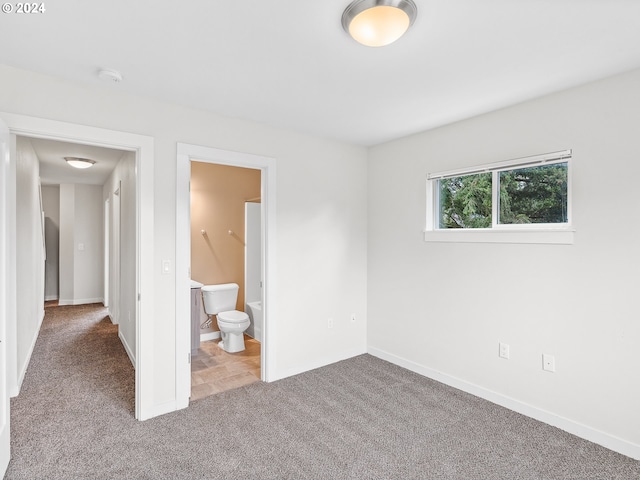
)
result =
(81, 247)
(503, 351)
(166, 267)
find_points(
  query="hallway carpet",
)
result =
(361, 418)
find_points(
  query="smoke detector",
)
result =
(110, 75)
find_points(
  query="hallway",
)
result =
(79, 378)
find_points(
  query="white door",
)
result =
(4, 395)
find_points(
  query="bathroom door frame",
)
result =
(186, 153)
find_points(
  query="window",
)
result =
(520, 201)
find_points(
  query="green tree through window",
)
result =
(528, 195)
(465, 202)
(534, 195)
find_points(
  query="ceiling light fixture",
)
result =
(77, 162)
(376, 23)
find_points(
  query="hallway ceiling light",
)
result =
(77, 162)
(376, 23)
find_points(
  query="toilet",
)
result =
(220, 300)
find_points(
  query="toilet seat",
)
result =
(233, 316)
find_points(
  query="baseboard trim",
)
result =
(80, 301)
(583, 431)
(14, 390)
(132, 358)
(161, 409)
(209, 336)
(322, 362)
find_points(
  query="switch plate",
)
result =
(548, 362)
(166, 267)
(503, 351)
(353, 317)
(330, 323)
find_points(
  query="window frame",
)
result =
(545, 233)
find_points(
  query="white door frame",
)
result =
(106, 246)
(115, 256)
(187, 153)
(144, 148)
(4, 307)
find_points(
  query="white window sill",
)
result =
(546, 236)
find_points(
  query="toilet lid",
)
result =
(233, 316)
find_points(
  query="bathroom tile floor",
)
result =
(213, 370)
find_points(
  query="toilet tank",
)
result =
(220, 298)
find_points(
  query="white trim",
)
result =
(578, 429)
(80, 301)
(5, 290)
(185, 154)
(204, 337)
(559, 234)
(144, 148)
(15, 389)
(553, 157)
(487, 235)
(127, 349)
(11, 294)
(319, 362)
(163, 409)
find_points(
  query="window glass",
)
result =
(533, 195)
(465, 201)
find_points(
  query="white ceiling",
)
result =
(54, 169)
(288, 63)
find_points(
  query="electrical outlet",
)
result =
(548, 362)
(330, 323)
(353, 317)
(503, 351)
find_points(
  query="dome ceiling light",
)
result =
(376, 23)
(77, 162)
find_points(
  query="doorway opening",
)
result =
(266, 167)
(141, 148)
(226, 237)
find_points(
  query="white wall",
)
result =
(88, 271)
(123, 177)
(51, 208)
(67, 244)
(321, 215)
(442, 308)
(30, 255)
(81, 239)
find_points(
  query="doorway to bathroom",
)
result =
(219, 196)
(225, 249)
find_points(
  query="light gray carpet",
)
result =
(362, 418)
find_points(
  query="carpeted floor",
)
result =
(362, 418)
